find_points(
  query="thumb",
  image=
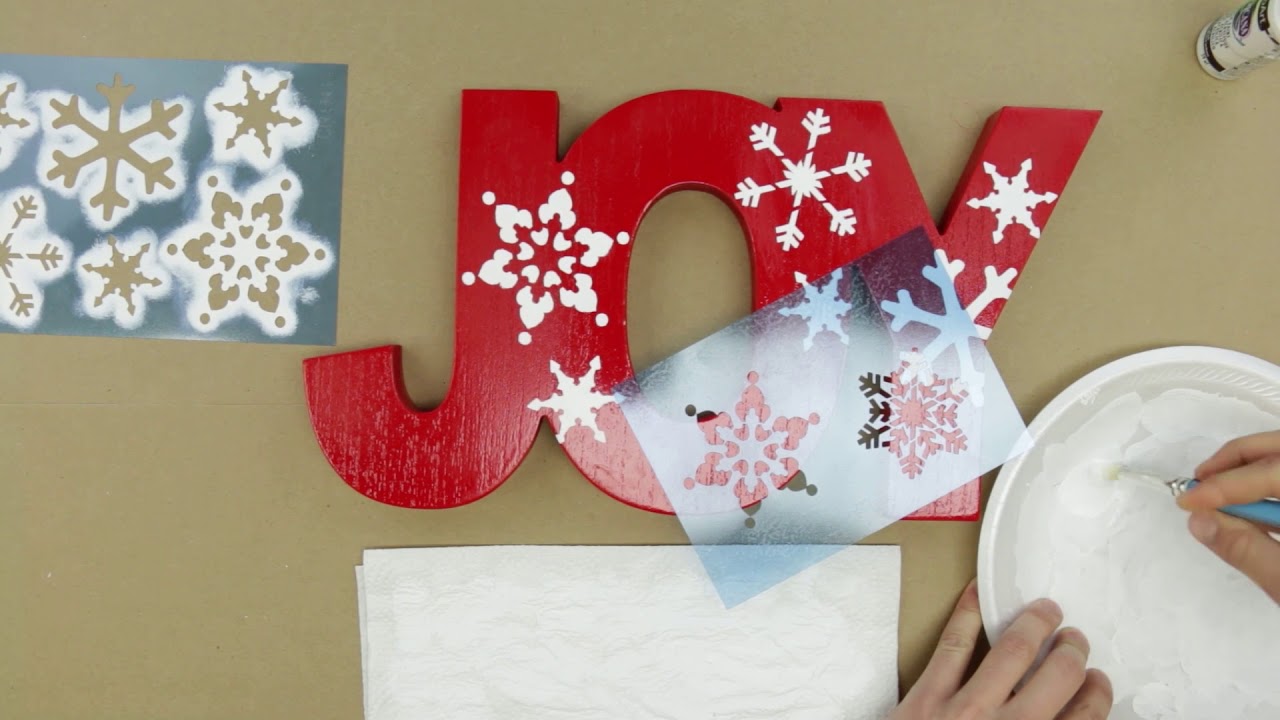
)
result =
(1242, 545)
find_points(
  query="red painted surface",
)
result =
(621, 165)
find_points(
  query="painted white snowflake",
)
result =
(255, 117)
(114, 158)
(575, 402)
(542, 262)
(119, 277)
(955, 330)
(998, 287)
(17, 120)
(1012, 200)
(803, 179)
(821, 308)
(244, 255)
(30, 257)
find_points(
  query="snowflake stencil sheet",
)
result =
(575, 401)
(30, 257)
(753, 450)
(1012, 200)
(924, 420)
(244, 255)
(115, 158)
(18, 121)
(545, 258)
(822, 309)
(803, 179)
(998, 286)
(119, 277)
(255, 117)
(954, 328)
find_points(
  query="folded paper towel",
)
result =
(582, 633)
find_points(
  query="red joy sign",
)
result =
(543, 250)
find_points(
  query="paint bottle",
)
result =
(1241, 41)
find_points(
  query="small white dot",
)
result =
(489, 198)
(525, 338)
(602, 320)
(468, 278)
(624, 238)
(566, 177)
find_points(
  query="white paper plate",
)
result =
(1213, 370)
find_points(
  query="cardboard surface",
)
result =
(174, 545)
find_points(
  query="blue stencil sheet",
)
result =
(170, 198)
(854, 401)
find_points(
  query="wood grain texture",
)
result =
(546, 232)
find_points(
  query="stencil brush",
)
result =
(1263, 512)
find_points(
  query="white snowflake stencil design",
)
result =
(255, 118)
(575, 402)
(998, 287)
(534, 244)
(243, 254)
(17, 121)
(30, 257)
(118, 278)
(821, 309)
(114, 158)
(1012, 200)
(955, 330)
(803, 179)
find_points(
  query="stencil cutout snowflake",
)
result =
(255, 118)
(30, 257)
(998, 287)
(129, 156)
(575, 402)
(542, 262)
(754, 450)
(822, 309)
(803, 179)
(955, 329)
(923, 420)
(244, 255)
(1012, 200)
(17, 123)
(118, 277)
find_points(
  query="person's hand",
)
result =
(1243, 471)
(1060, 689)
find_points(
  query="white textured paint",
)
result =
(1011, 200)
(624, 633)
(80, 137)
(280, 137)
(575, 401)
(30, 257)
(18, 119)
(1182, 635)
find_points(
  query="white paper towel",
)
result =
(584, 633)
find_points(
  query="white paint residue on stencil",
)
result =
(118, 277)
(625, 633)
(31, 257)
(243, 254)
(821, 308)
(18, 120)
(255, 117)
(998, 287)
(803, 179)
(575, 401)
(547, 269)
(113, 159)
(1011, 200)
(1187, 635)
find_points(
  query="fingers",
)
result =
(1242, 545)
(1093, 700)
(1244, 484)
(1241, 451)
(1056, 681)
(1011, 656)
(947, 667)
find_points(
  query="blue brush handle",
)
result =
(1265, 512)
